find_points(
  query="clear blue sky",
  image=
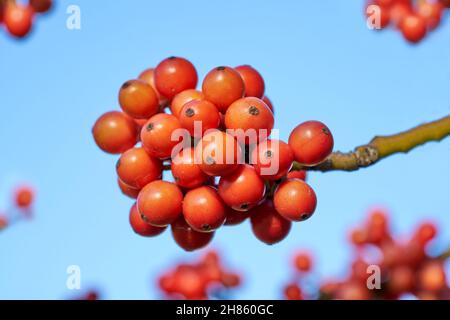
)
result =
(319, 61)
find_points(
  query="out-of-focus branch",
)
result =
(382, 147)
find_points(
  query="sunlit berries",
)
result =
(216, 143)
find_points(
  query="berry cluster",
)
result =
(18, 18)
(414, 19)
(216, 144)
(23, 199)
(406, 267)
(202, 280)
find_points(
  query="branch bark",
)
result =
(382, 147)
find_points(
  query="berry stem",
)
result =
(382, 147)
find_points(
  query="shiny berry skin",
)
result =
(18, 19)
(253, 81)
(432, 277)
(141, 227)
(311, 142)
(203, 209)
(295, 200)
(137, 168)
(138, 99)
(187, 238)
(200, 111)
(218, 153)
(182, 98)
(156, 135)
(272, 159)
(269, 103)
(148, 75)
(250, 114)
(303, 262)
(174, 75)
(127, 190)
(41, 6)
(235, 217)
(267, 225)
(186, 172)
(425, 233)
(293, 292)
(115, 132)
(431, 12)
(297, 174)
(24, 197)
(398, 11)
(160, 202)
(242, 189)
(414, 28)
(222, 86)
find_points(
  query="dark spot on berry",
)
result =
(149, 127)
(221, 68)
(209, 160)
(326, 131)
(189, 112)
(268, 154)
(244, 206)
(117, 164)
(126, 85)
(304, 216)
(171, 58)
(176, 179)
(144, 218)
(206, 227)
(254, 111)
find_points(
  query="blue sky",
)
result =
(319, 61)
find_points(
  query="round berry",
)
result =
(115, 132)
(235, 217)
(18, 19)
(203, 209)
(242, 189)
(41, 6)
(272, 159)
(141, 227)
(303, 261)
(252, 116)
(297, 174)
(414, 28)
(187, 238)
(295, 200)
(431, 12)
(269, 103)
(127, 190)
(267, 225)
(24, 197)
(222, 86)
(156, 135)
(138, 99)
(160, 202)
(182, 98)
(148, 76)
(137, 168)
(311, 142)
(253, 81)
(186, 172)
(174, 75)
(198, 116)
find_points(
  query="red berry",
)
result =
(414, 28)
(182, 98)
(303, 262)
(311, 142)
(18, 19)
(268, 102)
(187, 238)
(148, 76)
(160, 202)
(235, 217)
(174, 75)
(186, 172)
(293, 292)
(272, 159)
(140, 226)
(138, 99)
(218, 153)
(398, 11)
(432, 276)
(242, 189)
(115, 132)
(425, 233)
(253, 81)
(203, 209)
(3, 222)
(199, 112)
(297, 174)
(156, 135)
(24, 197)
(127, 190)
(222, 86)
(267, 225)
(295, 200)
(41, 6)
(431, 12)
(136, 168)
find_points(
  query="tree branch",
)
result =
(382, 147)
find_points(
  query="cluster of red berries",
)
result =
(22, 206)
(18, 18)
(414, 19)
(199, 281)
(406, 267)
(216, 144)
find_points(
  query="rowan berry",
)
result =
(295, 200)
(413, 27)
(182, 98)
(18, 19)
(127, 190)
(186, 172)
(267, 225)
(272, 159)
(199, 112)
(140, 226)
(253, 81)
(138, 99)
(187, 238)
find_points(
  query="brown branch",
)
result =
(445, 255)
(382, 147)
